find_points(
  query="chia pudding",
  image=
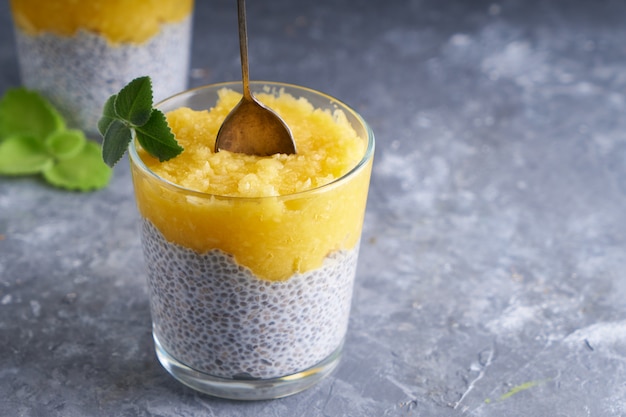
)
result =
(251, 260)
(78, 73)
(217, 317)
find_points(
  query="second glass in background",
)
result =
(78, 53)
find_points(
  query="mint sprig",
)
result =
(131, 110)
(34, 139)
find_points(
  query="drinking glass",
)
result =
(222, 324)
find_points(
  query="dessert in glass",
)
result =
(78, 53)
(251, 260)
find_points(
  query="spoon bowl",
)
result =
(251, 127)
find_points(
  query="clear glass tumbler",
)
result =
(78, 53)
(217, 326)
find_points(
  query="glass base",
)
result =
(239, 389)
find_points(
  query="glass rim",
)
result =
(367, 156)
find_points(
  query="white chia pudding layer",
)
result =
(79, 73)
(217, 317)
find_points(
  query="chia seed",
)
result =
(229, 323)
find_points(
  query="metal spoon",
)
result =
(251, 127)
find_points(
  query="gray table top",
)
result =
(491, 280)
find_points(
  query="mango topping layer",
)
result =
(119, 21)
(267, 227)
(328, 147)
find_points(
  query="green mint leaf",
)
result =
(34, 139)
(20, 155)
(129, 111)
(66, 143)
(27, 113)
(108, 115)
(157, 138)
(82, 172)
(134, 101)
(115, 143)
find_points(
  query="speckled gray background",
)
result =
(491, 280)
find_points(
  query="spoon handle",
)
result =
(243, 47)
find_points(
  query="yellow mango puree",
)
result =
(119, 21)
(268, 212)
